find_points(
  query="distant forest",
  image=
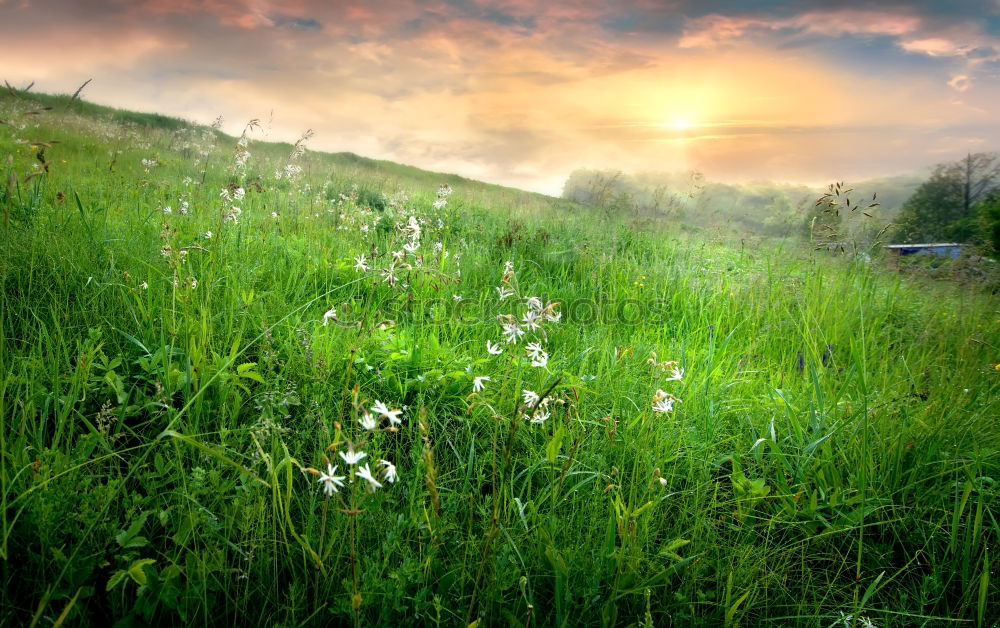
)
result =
(954, 202)
(759, 208)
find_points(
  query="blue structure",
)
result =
(944, 249)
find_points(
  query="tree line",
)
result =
(959, 202)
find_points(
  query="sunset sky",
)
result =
(522, 92)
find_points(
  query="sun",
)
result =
(681, 124)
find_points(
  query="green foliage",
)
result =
(834, 451)
(943, 208)
(988, 214)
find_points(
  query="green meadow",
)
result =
(566, 418)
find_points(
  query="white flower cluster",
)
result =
(240, 154)
(539, 408)
(292, 170)
(444, 191)
(332, 483)
(230, 198)
(663, 402)
(534, 318)
(384, 472)
(403, 259)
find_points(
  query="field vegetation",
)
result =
(242, 382)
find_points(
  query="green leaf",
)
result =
(671, 548)
(136, 571)
(130, 537)
(554, 445)
(115, 579)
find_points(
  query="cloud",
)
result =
(295, 23)
(713, 30)
(912, 32)
(521, 92)
(960, 82)
(934, 47)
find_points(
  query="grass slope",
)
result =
(169, 399)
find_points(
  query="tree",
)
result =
(943, 207)
(988, 212)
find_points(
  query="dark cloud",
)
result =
(295, 23)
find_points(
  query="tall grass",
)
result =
(834, 453)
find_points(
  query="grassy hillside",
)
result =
(566, 420)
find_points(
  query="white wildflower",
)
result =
(389, 471)
(477, 383)
(392, 415)
(365, 474)
(530, 320)
(512, 331)
(530, 398)
(330, 480)
(352, 457)
(493, 349)
(663, 402)
(330, 315)
(534, 349)
(389, 276)
(368, 422)
(540, 416)
(412, 227)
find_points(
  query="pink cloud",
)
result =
(245, 14)
(712, 30)
(852, 22)
(933, 46)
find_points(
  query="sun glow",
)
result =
(681, 124)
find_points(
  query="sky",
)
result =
(522, 92)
